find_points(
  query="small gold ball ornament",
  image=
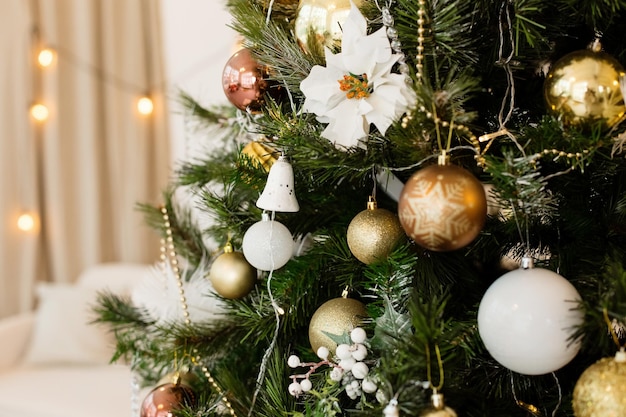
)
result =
(322, 18)
(442, 207)
(584, 86)
(231, 275)
(336, 317)
(374, 233)
(438, 407)
(601, 389)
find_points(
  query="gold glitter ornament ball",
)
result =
(323, 19)
(601, 389)
(231, 275)
(442, 207)
(336, 317)
(438, 407)
(584, 86)
(374, 233)
(444, 412)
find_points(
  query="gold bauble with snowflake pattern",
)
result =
(442, 207)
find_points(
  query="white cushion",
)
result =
(63, 332)
(118, 277)
(90, 391)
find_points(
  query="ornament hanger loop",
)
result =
(439, 365)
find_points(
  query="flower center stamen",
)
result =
(355, 86)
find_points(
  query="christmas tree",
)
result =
(412, 199)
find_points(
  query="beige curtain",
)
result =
(85, 168)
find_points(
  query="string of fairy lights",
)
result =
(28, 220)
(46, 58)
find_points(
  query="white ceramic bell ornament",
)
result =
(267, 245)
(279, 193)
(526, 320)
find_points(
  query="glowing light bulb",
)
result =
(45, 57)
(26, 222)
(145, 106)
(39, 112)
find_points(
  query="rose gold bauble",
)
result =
(442, 207)
(336, 317)
(165, 398)
(231, 275)
(601, 389)
(244, 81)
(374, 233)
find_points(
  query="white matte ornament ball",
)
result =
(323, 352)
(526, 319)
(306, 385)
(293, 361)
(295, 389)
(336, 374)
(368, 385)
(360, 370)
(343, 351)
(359, 352)
(267, 245)
(358, 335)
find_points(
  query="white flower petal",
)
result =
(321, 90)
(390, 101)
(347, 125)
(354, 29)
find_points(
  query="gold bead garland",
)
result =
(475, 141)
(209, 377)
(168, 252)
(419, 57)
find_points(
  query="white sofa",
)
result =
(53, 363)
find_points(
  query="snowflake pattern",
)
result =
(439, 209)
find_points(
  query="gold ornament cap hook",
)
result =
(443, 158)
(345, 292)
(527, 263)
(371, 203)
(437, 400)
(228, 247)
(596, 45)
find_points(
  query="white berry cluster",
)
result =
(348, 367)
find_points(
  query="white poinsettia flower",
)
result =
(356, 88)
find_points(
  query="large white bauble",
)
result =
(526, 319)
(267, 245)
